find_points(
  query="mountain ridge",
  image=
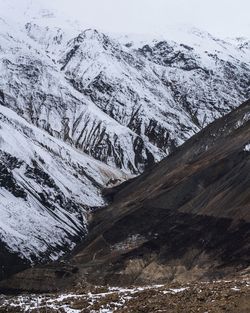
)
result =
(84, 97)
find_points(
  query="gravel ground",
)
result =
(214, 297)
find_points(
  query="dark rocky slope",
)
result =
(187, 218)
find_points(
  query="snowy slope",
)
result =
(35, 87)
(47, 189)
(131, 103)
(164, 91)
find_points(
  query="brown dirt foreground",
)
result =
(212, 297)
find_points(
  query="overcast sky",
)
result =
(220, 17)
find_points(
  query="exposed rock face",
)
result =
(187, 218)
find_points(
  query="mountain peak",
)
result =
(95, 36)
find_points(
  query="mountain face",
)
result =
(125, 104)
(47, 191)
(164, 92)
(186, 218)
(81, 111)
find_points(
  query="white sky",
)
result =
(225, 18)
(221, 17)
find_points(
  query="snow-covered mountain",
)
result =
(81, 110)
(47, 189)
(125, 104)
